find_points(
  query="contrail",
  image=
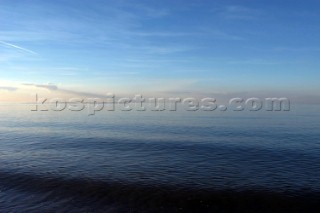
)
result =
(17, 47)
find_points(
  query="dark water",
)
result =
(159, 162)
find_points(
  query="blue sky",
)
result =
(160, 47)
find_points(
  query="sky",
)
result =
(158, 48)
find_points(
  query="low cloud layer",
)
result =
(9, 89)
(45, 86)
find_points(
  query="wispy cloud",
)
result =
(18, 47)
(55, 88)
(297, 49)
(48, 86)
(149, 11)
(239, 12)
(9, 89)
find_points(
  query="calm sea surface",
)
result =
(158, 161)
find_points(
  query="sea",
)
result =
(166, 161)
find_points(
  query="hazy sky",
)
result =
(160, 47)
